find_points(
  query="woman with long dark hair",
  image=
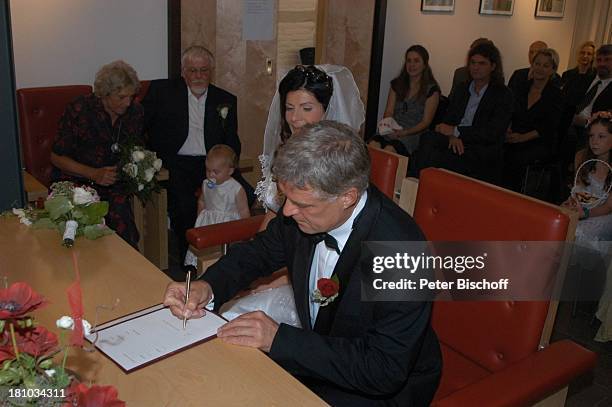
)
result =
(412, 102)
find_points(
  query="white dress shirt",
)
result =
(325, 259)
(194, 145)
(588, 111)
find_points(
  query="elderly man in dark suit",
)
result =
(350, 351)
(185, 118)
(470, 139)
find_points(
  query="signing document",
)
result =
(150, 335)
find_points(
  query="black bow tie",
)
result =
(329, 240)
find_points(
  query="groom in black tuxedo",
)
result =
(185, 118)
(350, 352)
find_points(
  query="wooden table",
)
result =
(34, 189)
(212, 373)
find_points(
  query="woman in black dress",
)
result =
(531, 137)
(88, 143)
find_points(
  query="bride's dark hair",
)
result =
(308, 78)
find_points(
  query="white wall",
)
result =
(448, 36)
(61, 42)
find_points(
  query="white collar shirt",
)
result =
(325, 259)
(194, 144)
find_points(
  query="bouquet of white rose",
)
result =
(138, 168)
(73, 210)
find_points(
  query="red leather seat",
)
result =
(384, 170)
(39, 112)
(144, 88)
(490, 349)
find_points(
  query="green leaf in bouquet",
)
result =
(58, 206)
(9, 376)
(93, 232)
(93, 213)
(77, 214)
(27, 361)
(44, 223)
(61, 378)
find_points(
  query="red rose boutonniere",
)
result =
(327, 291)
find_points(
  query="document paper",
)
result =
(150, 335)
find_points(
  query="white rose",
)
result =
(157, 164)
(82, 196)
(149, 174)
(140, 187)
(138, 156)
(65, 322)
(50, 372)
(86, 327)
(25, 221)
(131, 170)
(93, 192)
(19, 212)
(223, 112)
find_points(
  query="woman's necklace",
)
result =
(115, 147)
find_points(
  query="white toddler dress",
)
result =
(220, 206)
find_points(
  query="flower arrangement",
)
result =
(73, 210)
(327, 291)
(138, 168)
(28, 374)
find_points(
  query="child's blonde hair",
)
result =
(224, 152)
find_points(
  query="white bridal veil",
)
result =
(345, 106)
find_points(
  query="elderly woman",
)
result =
(91, 133)
(532, 134)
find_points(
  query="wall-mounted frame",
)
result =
(496, 7)
(438, 5)
(550, 8)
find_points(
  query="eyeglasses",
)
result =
(314, 74)
(193, 71)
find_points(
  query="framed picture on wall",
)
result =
(550, 8)
(438, 5)
(499, 7)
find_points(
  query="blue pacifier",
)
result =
(211, 183)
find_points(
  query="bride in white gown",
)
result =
(306, 95)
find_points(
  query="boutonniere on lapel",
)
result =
(327, 290)
(223, 110)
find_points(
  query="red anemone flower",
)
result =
(95, 396)
(18, 300)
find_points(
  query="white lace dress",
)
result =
(594, 237)
(220, 202)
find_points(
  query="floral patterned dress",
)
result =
(86, 135)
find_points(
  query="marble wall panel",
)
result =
(348, 38)
(198, 23)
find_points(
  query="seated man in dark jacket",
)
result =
(470, 138)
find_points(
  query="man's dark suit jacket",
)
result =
(604, 100)
(358, 353)
(520, 76)
(167, 118)
(484, 139)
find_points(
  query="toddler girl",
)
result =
(222, 199)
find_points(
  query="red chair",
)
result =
(39, 112)
(495, 353)
(144, 88)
